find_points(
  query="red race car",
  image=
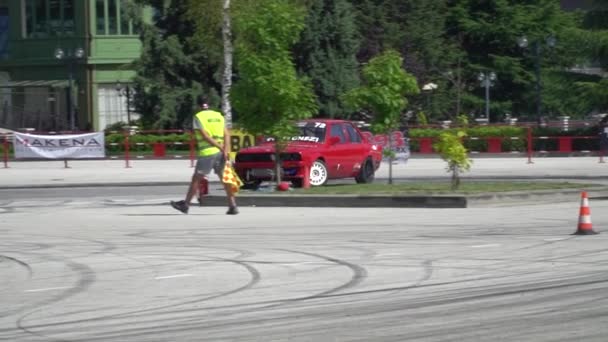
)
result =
(328, 149)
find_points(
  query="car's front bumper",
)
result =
(266, 171)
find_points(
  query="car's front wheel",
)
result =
(366, 174)
(318, 173)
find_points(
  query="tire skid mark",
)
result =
(254, 279)
(430, 300)
(7, 210)
(105, 246)
(21, 263)
(359, 272)
(86, 279)
(37, 204)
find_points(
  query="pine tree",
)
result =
(173, 68)
(596, 20)
(372, 23)
(327, 53)
(489, 31)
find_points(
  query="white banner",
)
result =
(73, 146)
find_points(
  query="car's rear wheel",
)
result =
(367, 172)
(318, 173)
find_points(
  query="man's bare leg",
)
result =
(183, 206)
(193, 189)
(232, 209)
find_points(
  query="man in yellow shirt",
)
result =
(213, 140)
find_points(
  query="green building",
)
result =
(64, 64)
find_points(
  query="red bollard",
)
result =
(306, 179)
(5, 154)
(203, 188)
(530, 146)
(127, 166)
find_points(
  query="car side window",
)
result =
(337, 131)
(355, 137)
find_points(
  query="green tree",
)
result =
(596, 20)
(594, 92)
(489, 32)
(372, 22)
(213, 20)
(451, 149)
(268, 93)
(327, 53)
(384, 92)
(173, 68)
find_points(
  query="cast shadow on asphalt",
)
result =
(189, 214)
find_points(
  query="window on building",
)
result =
(46, 18)
(69, 25)
(4, 32)
(100, 10)
(112, 16)
(113, 19)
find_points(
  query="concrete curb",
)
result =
(407, 201)
(363, 201)
(341, 201)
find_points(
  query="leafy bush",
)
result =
(145, 142)
(506, 133)
(450, 148)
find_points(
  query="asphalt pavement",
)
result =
(147, 173)
(101, 271)
(101, 257)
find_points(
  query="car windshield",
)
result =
(310, 131)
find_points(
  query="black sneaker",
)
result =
(180, 205)
(232, 211)
(200, 201)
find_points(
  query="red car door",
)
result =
(338, 153)
(357, 149)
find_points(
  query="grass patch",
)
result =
(466, 187)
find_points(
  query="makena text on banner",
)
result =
(72, 146)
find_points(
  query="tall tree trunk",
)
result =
(228, 54)
(277, 162)
(455, 184)
(390, 157)
(459, 87)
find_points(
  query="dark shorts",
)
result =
(214, 162)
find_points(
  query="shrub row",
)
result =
(173, 142)
(180, 143)
(508, 133)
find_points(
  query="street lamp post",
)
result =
(125, 91)
(487, 80)
(429, 88)
(70, 57)
(537, 49)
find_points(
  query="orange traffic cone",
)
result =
(585, 227)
